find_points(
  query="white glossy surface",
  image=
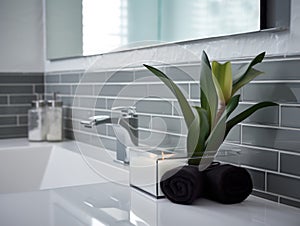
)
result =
(26, 166)
(115, 204)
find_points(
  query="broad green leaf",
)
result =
(205, 59)
(222, 75)
(183, 103)
(232, 104)
(197, 134)
(216, 136)
(193, 135)
(244, 69)
(245, 114)
(209, 97)
(204, 127)
(249, 76)
(213, 142)
(219, 91)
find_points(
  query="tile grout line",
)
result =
(242, 124)
(287, 197)
(139, 113)
(270, 126)
(157, 99)
(189, 91)
(280, 115)
(18, 120)
(263, 148)
(266, 193)
(266, 181)
(21, 84)
(118, 83)
(12, 126)
(270, 171)
(8, 99)
(241, 134)
(279, 162)
(88, 133)
(11, 115)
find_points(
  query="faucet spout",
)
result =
(128, 121)
(96, 120)
(130, 124)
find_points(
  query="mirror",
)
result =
(89, 27)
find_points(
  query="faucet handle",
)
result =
(126, 110)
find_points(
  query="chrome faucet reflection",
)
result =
(125, 126)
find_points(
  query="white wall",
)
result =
(21, 36)
(274, 43)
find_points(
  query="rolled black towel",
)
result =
(182, 185)
(227, 184)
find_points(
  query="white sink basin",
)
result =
(39, 166)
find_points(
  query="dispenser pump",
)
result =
(54, 102)
(39, 102)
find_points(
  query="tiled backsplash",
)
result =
(268, 142)
(16, 93)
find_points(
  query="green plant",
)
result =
(209, 124)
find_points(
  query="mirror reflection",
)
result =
(88, 27)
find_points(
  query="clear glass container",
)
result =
(37, 127)
(147, 166)
(55, 120)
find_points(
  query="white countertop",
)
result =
(113, 204)
(118, 204)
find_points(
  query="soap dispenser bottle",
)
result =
(37, 128)
(55, 119)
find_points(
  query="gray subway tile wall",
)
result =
(252, 157)
(234, 136)
(267, 144)
(258, 178)
(3, 100)
(289, 202)
(283, 185)
(279, 92)
(8, 120)
(289, 164)
(267, 196)
(16, 93)
(286, 70)
(12, 131)
(161, 91)
(276, 138)
(265, 116)
(290, 116)
(16, 89)
(70, 78)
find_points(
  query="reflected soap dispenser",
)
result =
(55, 119)
(37, 128)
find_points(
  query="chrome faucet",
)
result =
(128, 120)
